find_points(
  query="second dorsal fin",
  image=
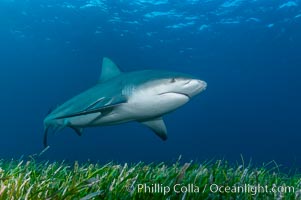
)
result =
(109, 70)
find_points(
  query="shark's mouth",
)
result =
(180, 93)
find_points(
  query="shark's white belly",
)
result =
(143, 106)
(138, 108)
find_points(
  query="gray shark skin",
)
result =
(120, 97)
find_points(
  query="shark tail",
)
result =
(55, 129)
(46, 129)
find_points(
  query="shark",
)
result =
(118, 97)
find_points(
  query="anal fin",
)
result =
(78, 131)
(158, 126)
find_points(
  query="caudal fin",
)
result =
(45, 136)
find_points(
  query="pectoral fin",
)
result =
(157, 125)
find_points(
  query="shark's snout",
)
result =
(194, 87)
(202, 84)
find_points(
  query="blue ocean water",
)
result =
(247, 51)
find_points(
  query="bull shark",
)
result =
(120, 97)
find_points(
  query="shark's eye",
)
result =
(172, 80)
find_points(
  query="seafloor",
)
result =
(30, 179)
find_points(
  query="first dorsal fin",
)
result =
(109, 70)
